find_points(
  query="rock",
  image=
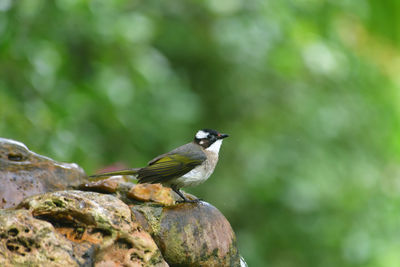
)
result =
(129, 250)
(26, 241)
(190, 234)
(123, 225)
(108, 185)
(104, 212)
(132, 193)
(97, 219)
(156, 193)
(24, 173)
(152, 192)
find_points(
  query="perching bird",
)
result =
(187, 165)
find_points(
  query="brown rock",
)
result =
(24, 173)
(26, 241)
(108, 185)
(129, 250)
(102, 221)
(122, 187)
(190, 234)
(152, 192)
(104, 212)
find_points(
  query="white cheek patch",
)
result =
(201, 134)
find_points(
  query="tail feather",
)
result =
(121, 172)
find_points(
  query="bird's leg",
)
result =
(176, 190)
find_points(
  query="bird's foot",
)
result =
(184, 199)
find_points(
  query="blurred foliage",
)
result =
(308, 91)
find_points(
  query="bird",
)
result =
(185, 166)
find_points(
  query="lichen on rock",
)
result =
(190, 234)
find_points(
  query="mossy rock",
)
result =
(190, 234)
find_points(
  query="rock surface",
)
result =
(120, 224)
(25, 173)
(152, 192)
(190, 234)
(88, 218)
(134, 193)
(25, 240)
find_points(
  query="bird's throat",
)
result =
(215, 147)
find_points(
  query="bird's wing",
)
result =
(171, 165)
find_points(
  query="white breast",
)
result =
(201, 173)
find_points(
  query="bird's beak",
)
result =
(222, 136)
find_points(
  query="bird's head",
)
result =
(209, 139)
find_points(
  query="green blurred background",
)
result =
(308, 91)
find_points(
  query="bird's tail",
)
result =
(121, 172)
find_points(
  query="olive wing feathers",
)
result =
(173, 164)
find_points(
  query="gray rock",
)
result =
(190, 234)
